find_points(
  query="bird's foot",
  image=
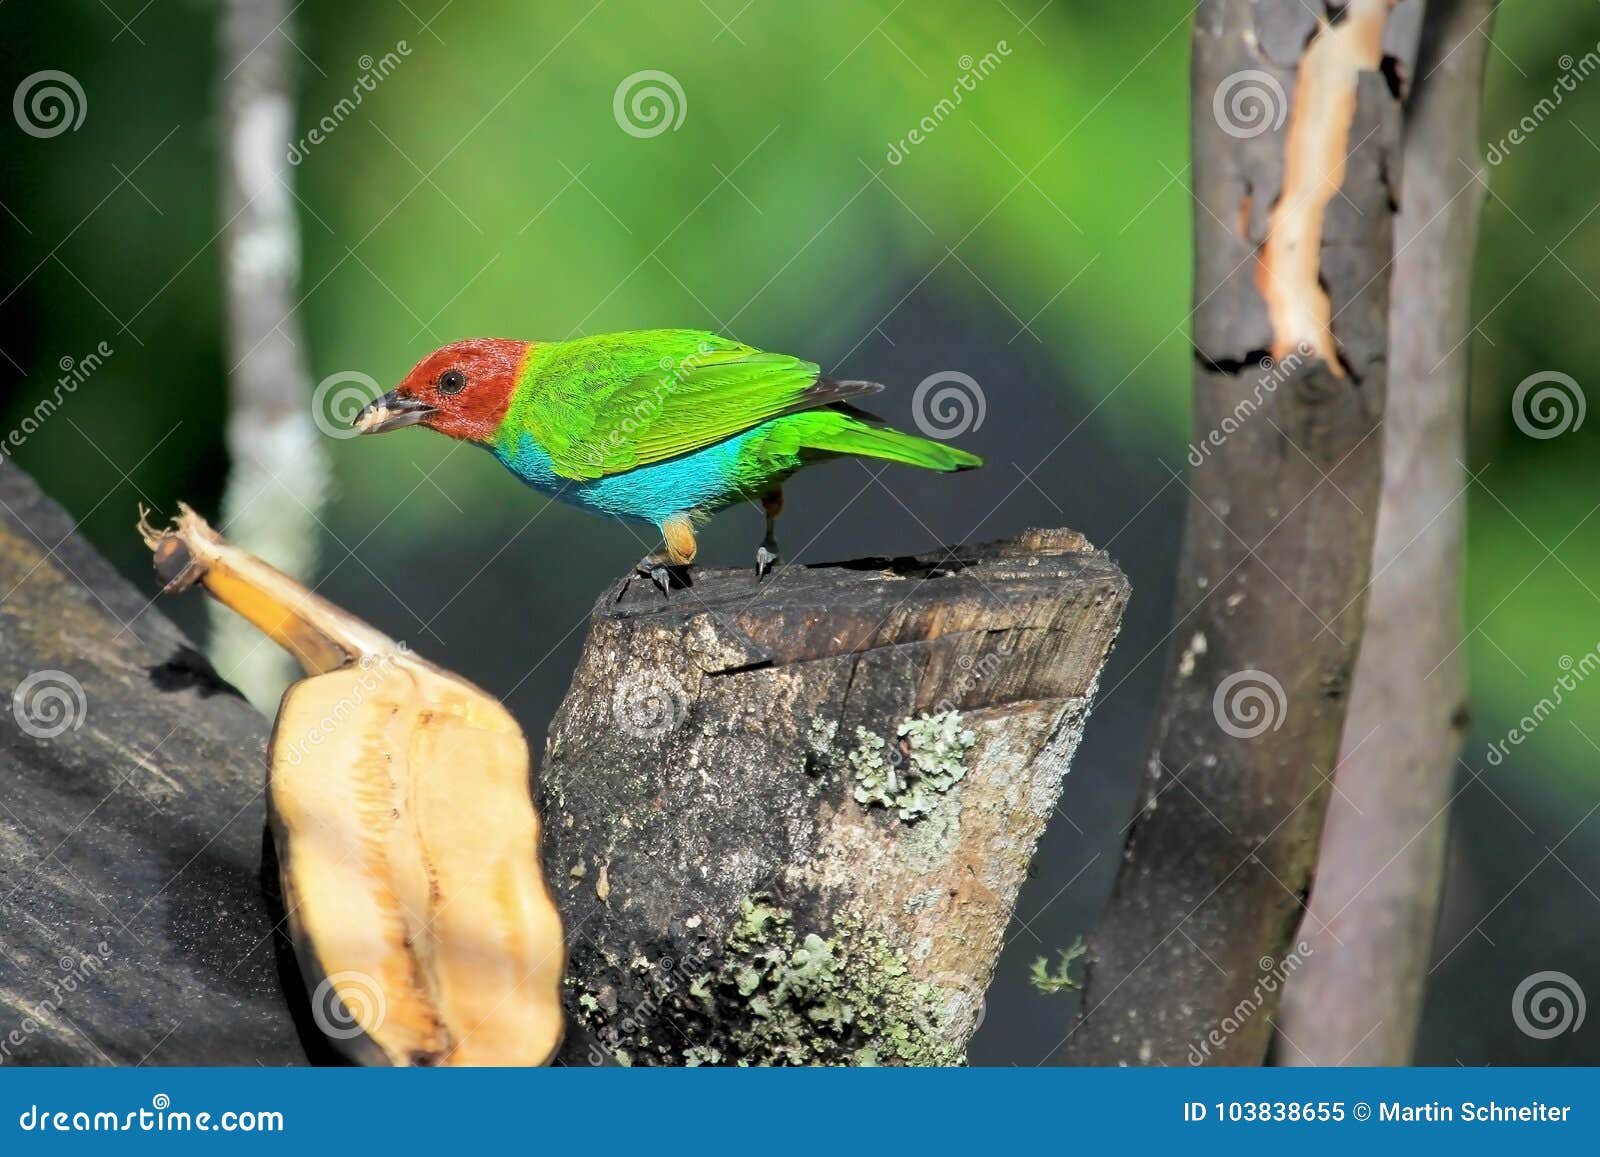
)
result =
(766, 559)
(663, 573)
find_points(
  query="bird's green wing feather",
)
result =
(601, 405)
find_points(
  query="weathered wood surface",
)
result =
(729, 896)
(134, 927)
(1294, 234)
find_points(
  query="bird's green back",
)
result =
(604, 404)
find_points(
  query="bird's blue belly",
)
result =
(703, 480)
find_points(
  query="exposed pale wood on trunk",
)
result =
(1186, 964)
(1372, 912)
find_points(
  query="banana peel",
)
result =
(399, 801)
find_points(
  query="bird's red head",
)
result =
(462, 389)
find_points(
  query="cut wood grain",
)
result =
(735, 886)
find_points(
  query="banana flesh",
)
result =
(408, 844)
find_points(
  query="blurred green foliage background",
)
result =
(1038, 239)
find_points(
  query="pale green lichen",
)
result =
(928, 844)
(1050, 983)
(696, 1055)
(821, 733)
(842, 999)
(930, 760)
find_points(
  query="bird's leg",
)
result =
(678, 553)
(767, 552)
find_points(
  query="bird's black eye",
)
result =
(452, 382)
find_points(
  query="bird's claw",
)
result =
(765, 561)
(662, 574)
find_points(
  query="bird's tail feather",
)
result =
(848, 435)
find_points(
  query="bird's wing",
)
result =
(606, 404)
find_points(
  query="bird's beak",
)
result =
(390, 412)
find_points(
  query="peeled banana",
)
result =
(408, 845)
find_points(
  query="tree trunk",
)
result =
(134, 928)
(1371, 918)
(1296, 129)
(787, 823)
(280, 474)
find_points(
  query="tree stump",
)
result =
(787, 821)
(133, 924)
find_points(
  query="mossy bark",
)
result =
(787, 822)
